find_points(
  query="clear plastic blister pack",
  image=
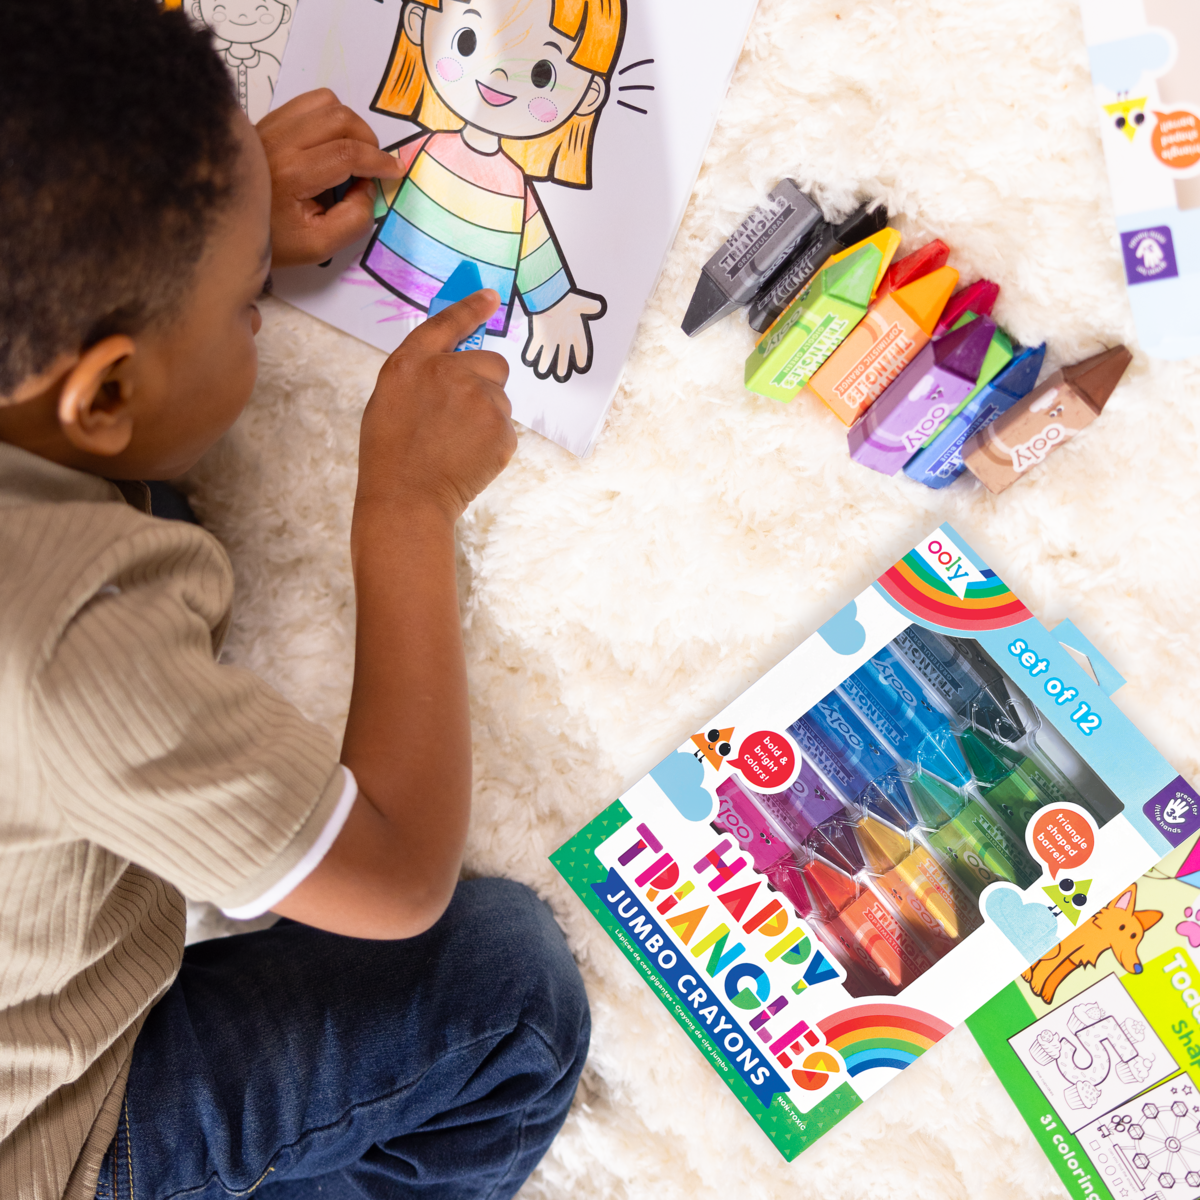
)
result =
(919, 774)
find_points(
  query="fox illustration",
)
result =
(1116, 927)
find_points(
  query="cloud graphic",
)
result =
(680, 775)
(1120, 65)
(1030, 927)
(843, 633)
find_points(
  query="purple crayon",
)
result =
(920, 398)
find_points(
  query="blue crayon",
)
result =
(857, 768)
(891, 702)
(940, 463)
(464, 281)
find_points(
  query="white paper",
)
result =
(674, 62)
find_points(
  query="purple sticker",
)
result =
(1149, 254)
(1175, 810)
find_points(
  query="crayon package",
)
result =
(868, 843)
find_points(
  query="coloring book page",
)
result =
(554, 143)
(1093, 1053)
(250, 36)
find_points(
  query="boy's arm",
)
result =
(313, 143)
(435, 432)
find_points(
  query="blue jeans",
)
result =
(292, 1064)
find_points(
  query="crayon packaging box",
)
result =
(1098, 1042)
(855, 854)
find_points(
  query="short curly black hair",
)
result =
(117, 152)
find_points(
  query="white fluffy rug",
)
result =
(612, 605)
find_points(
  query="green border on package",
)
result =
(789, 1129)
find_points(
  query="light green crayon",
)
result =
(812, 327)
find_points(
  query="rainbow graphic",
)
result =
(881, 1035)
(916, 590)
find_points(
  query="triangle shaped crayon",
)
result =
(978, 298)
(912, 266)
(853, 277)
(464, 281)
(894, 331)
(888, 242)
(830, 888)
(882, 846)
(918, 402)
(1048, 417)
(1097, 377)
(812, 326)
(940, 463)
(925, 299)
(999, 355)
(963, 350)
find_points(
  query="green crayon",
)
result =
(982, 850)
(812, 327)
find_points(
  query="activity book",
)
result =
(877, 836)
(1098, 1042)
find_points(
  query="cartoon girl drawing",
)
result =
(506, 92)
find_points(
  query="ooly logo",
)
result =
(949, 563)
(1032, 452)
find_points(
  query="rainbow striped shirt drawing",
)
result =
(455, 204)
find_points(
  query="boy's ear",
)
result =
(594, 97)
(287, 15)
(413, 18)
(93, 405)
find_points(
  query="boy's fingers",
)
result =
(302, 131)
(344, 223)
(305, 175)
(440, 334)
(490, 366)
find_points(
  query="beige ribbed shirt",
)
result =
(133, 767)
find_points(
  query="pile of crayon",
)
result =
(919, 774)
(927, 382)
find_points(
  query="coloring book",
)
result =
(1098, 1042)
(554, 143)
(919, 801)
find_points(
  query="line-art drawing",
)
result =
(241, 28)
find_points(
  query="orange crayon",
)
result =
(887, 339)
(923, 891)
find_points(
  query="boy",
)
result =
(401, 1034)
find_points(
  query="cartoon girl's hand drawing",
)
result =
(559, 338)
(509, 91)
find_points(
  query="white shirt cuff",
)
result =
(306, 866)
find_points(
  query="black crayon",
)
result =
(807, 259)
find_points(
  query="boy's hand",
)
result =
(313, 143)
(437, 428)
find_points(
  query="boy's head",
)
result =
(134, 237)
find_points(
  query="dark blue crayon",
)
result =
(940, 463)
(464, 281)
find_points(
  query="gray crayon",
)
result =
(750, 254)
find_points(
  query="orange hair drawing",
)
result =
(564, 154)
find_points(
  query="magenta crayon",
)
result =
(920, 399)
(976, 299)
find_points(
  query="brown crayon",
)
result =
(1070, 400)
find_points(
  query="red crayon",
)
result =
(912, 266)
